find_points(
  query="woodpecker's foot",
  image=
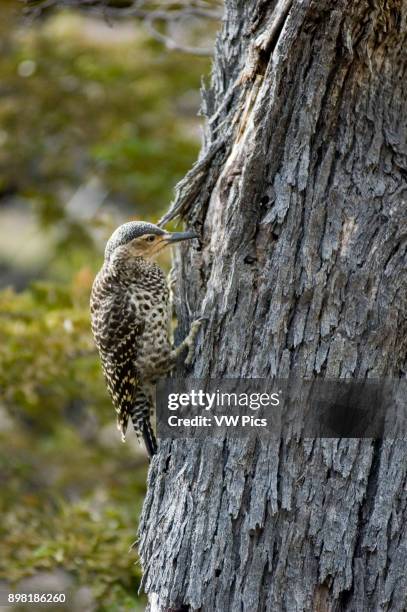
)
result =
(190, 340)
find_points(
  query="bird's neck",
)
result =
(132, 269)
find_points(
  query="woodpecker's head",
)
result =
(139, 239)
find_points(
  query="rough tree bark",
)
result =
(299, 195)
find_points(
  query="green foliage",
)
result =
(70, 500)
(96, 106)
(45, 343)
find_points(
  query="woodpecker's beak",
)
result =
(178, 236)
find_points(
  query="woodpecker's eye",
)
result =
(150, 238)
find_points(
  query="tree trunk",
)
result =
(299, 195)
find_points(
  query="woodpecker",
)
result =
(130, 315)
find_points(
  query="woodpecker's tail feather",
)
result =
(141, 409)
(149, 438)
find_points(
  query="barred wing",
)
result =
(117, 328)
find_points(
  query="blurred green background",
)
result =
(97, 124)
